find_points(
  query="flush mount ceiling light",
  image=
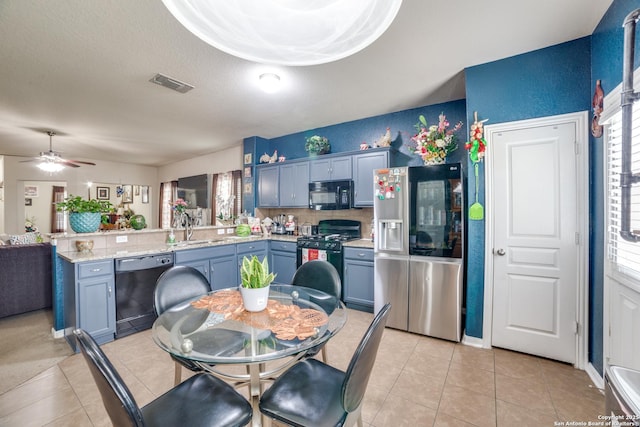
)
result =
(269, 82)
(286, 32)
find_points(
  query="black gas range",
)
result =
(332, 233)
(327, 244)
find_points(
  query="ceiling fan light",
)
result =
(50, 167)
(286, 32)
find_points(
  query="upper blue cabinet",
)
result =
(330, 169)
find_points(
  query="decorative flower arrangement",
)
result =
(317, 145)
(433, 143)
(179, 205)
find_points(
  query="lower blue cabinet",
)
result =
(283, 260)
(358, 278)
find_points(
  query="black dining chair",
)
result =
(182, 283)
(202, 400)
(312, 393)
(323, 276)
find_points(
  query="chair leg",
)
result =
(325, 357)
(177, 377)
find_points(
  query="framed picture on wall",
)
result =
(28, 201)
(30, 191)
(102, 193)
(247, 158)
(127, 194)
(144, 189)
(247, 172)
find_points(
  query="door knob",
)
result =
(500, 252)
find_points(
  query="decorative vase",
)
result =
(138, 222)
(254, 299)
(436, 160)
(85, 222)
(178, 219)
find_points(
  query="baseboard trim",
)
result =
(57, 334)
(595, 376)
(472, 341)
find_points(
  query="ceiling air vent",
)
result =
(171, 83)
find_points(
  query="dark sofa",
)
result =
(25, 278)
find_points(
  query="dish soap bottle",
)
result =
(172, 238)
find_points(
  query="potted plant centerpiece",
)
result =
(84, 215)
(255, 280)
(317, 145)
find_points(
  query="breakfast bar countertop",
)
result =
(111, 252)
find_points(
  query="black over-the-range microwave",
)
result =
(330, 195)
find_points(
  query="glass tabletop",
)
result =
(215, 329)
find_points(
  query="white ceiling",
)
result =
(82, 69)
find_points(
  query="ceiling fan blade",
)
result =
(30, 160)
(67, 163)
(80, 161)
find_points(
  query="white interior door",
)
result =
(535, 240)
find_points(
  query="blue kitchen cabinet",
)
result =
(224, 271)
(330, 169)
(358, 278)
(294, 185)
(217, 263)
(283, 260)
(363, 167)
(259, 248)
(89, 299)
(268, 186)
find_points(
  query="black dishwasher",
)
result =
(135, 281)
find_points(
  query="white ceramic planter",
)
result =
(254, 299)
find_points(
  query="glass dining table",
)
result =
(215, 332)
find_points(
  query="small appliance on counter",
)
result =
(279, 224)
(306, 229)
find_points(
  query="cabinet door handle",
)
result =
(361, 254)
(109, 290)
(96, 270)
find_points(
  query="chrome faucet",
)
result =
(188, 227)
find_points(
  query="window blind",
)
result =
(624, 255)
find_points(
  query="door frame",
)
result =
(581, 122)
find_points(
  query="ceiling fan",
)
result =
(52, 161)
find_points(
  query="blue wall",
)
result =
(545, 82)
(606, 65)
(348, 136)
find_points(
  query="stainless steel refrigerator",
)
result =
(418, 246)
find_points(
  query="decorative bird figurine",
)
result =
(385, 140)
(274, 158)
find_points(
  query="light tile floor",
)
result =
(416, 381)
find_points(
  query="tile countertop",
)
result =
(361, 243)
(154, 248)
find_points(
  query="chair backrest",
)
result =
(319, 274)
(178, 284)
(116, 397)
(359, 370)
